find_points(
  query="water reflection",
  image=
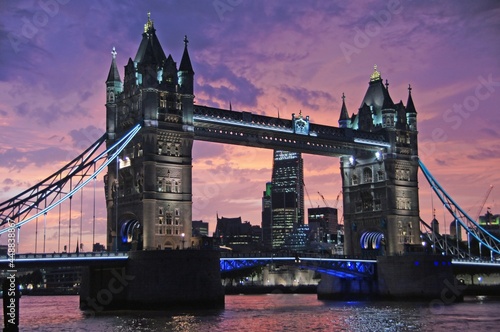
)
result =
(274, 312)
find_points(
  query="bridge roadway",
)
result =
(342, 266)
(245, 128)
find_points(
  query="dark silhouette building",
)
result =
(200, 228)
(323, 223)
(237, 235)
(267, 216)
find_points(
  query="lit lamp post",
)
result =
(183, 240)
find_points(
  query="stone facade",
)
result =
(148, 189)
(380, 190)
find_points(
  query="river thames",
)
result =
(271, 312)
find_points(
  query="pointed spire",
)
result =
(344, 119)
(410, 107)
(230, 106)
(387, 85)
(113, 75)
(186, 61)
(344, 114)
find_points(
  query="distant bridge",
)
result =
(341, 266)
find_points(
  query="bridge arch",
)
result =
(372, 241)
(130, 232)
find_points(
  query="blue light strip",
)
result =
(67, 258)
(488, 263)
(240, 124)
(370, 142)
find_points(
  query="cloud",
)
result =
(222, 84)
(485, 153)
(308, 98)
(84, 137)
(50, 114)
(15, 159)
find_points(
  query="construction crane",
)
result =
(307, 193)
(336, 200)
(323, 198)
(488, 192)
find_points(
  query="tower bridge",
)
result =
(151, 124)
(377, 149)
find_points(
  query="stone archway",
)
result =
(129, 233)
(372, 242)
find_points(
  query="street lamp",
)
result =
(183, 240)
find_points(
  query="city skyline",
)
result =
(277, 58)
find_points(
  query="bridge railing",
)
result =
(66, 255)
(293, 254)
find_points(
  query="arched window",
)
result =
(168, 186)
(367, 175)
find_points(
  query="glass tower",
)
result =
(287, 195)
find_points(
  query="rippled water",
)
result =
(273, 312)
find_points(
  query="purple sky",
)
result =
(261, 56)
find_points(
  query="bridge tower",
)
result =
(148, 189)
(380, 190)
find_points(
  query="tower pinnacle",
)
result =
(149, 24)
(113, 53)
(375, 75)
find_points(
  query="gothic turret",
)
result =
(113, 88)
(344, 119)
(388, 109)
(411, 112)
(150, 57)
(113, 82)
(186, 73)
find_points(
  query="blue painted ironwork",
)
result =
(62, 185)
(341, 267)
(443, 244)
(470, 225)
